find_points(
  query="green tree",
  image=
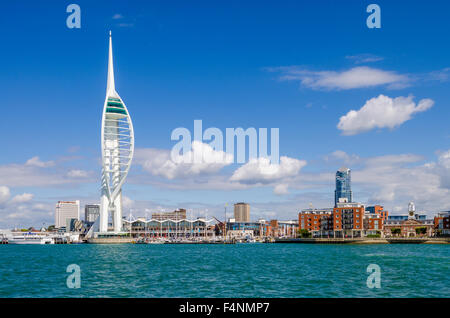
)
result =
(421, 230)
(396, 231)
(304, 233)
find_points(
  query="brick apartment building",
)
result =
(317, 221)
(374, 219)
(348, 219)
(442, 223)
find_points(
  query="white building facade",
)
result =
(66, 210)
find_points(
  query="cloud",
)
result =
(21, 198)
(117, 16)
(36, 162)
(125, 25)
(261, 170)
(442, 168)
(393, 180)
(381, 112)
(73, 149)
(35, 173)
(127, 203)
(20, 209)
(364, 58)
(4, 194)
(77, 173)
(281, 189)
(357, 77)
(342, 156)
(440, 75)
(160, 163)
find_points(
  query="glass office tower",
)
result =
(343, 186)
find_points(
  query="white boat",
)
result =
(30, 239)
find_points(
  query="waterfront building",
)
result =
(404, 217)
(283, 228)
(343, 185)
(409, 228)
(66, 210)
(179, 214)
(348, 219)
(170, 228)
(373, 224)
(242, 212)
(377, 210)
(261, 228)
(317, 221)
(74, 225)
(409, 225)
(117, 143)
(91, 213)
(442, 223)
(374, 218)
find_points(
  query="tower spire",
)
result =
(110, 89)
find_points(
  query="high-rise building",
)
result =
(343, 186)
(66, 210)
(117, 151)
(242, 212)
(91, 212)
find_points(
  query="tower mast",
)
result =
(117, 143)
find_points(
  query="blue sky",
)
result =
(294, 65)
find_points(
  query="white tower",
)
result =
(411, 210)
(117, 151)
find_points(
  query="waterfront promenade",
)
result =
(364, 240)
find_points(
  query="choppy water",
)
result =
(241, 270)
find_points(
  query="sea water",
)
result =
(240, 270)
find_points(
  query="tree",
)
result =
(396, 231)
(421, 230)
(304, 233)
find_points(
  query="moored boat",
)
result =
(30, 239)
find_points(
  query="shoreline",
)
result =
(365, 240)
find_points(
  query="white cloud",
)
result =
(440, 75)
(35, 173)
(159, 162)
(77, 174)
(342, 156)
(127, 203)
(281, 189)
(117, 16)
(126, 25)
(357, 77)
(261, 170)
(395, 180)
(4, 194)
(36, 162)
(21, 198)
(382, 112)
